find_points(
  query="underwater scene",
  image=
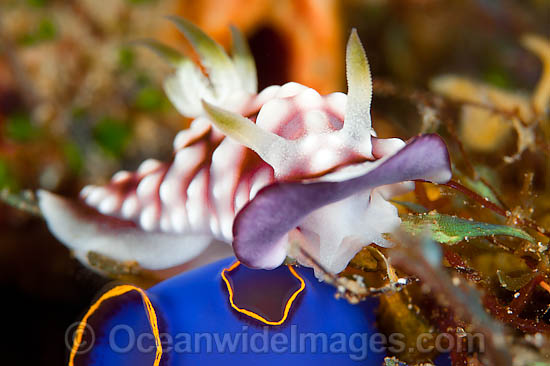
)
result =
(275, 182)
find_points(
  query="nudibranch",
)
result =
(187, 320)
(261, 171)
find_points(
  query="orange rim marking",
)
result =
(114, 292)
(253, 314)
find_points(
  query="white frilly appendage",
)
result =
(231, 82)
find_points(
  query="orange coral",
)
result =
(310, 33)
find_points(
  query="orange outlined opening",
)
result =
(114, 292)
(253, 314)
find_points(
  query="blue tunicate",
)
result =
(199, 327)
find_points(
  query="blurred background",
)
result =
(78, 101)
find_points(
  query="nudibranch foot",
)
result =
(84, 230)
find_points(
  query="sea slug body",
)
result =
(256, 170)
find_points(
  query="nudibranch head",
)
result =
(292, 127)
(302, 134)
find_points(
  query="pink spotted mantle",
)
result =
(240, 141)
